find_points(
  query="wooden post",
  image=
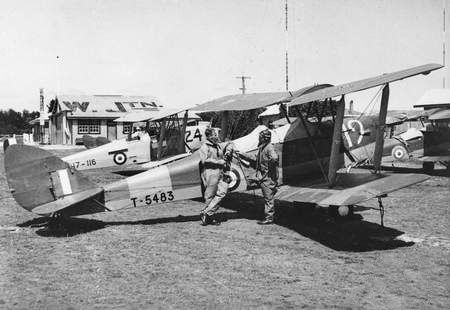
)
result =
(379, 140)
(224, 125)
(335, 161)
(182, 146)
(162, 136)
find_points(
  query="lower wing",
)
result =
(352, 188)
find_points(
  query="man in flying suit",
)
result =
(266, 173)
(212, 165)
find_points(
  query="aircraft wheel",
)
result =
(428, 166)
(340, 211)
(400, 153)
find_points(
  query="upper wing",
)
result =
(134, 117)
(242, 102)
(355, 86)
(253, 101)
(370, 186)
(142, 116)
(440, 115)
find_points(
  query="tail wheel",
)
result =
(400, 153)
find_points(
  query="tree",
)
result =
(12, 122)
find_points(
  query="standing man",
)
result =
(266, 174)
(211, 168)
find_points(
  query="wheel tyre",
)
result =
(400, 153)
(428, 166)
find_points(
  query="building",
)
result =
(72, 116)
(40, 133)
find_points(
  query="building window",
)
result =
(126, 128)
(86, 126)
(94, 126)
(83, 126)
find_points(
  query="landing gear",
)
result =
(341, 211)
(428, 166)
(56, 222)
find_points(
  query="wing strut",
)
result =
(183, 133)
(224, 125)
(378, 153)
(284, 112)
(335, 160)
(162, 136)
(311, 142)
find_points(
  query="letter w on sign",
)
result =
(75, 105)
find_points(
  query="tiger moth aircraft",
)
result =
(436, 133)
(311, 157)
(142, 147)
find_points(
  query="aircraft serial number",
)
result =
(89, 162)
(156, 198)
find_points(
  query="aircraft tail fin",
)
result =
(42, 183)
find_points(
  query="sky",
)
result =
(187, 52)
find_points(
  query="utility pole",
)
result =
(243, 78)
(41, 115)
(443, 43)
(287, 44)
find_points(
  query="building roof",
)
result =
(104, 106)
(434, 98)
(37, 120)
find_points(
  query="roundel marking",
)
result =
(120, 158)
(399, 152)
(235, 180)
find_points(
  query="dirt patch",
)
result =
(161, 256)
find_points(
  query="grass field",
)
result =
(161, 257)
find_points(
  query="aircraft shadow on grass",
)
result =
(340, 234)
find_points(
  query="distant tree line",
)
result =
(240, 123)
(12, 122)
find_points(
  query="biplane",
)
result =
(142, 147)
(311, 156)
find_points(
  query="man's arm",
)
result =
(273, 156)
(204, 159)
